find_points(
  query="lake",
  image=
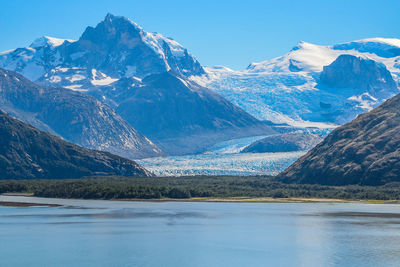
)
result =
(118, 233)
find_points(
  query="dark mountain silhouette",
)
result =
(365, 151)
(27, 153)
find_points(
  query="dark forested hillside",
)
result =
(27, 153)
(365, 151)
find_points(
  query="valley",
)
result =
(145, 97)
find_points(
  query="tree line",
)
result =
(193, 186)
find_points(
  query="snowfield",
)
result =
(225, 159)
(221, 164)
(286, 89)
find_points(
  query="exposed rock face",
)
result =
(165, 107)
(119, 47)
(349, 80)
(27, 153)
(365, 151)
(74, 116)
(363, 75)
(284, 143)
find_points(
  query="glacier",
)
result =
(288, 89)
(224, 158)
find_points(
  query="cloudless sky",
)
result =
(218, 32)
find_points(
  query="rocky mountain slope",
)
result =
(27, 153)
(296, 141)
(144, 77)
(353, 72)
(74, 116)
(183, 117)
(365, 151)
(294, 88)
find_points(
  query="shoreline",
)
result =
(26, 204)
(263, 200)
(197, 199)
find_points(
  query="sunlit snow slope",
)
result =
(289, 89)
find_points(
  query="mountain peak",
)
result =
(47, 40)
(117, 29)
(303, 45)
(120, 21)
(109, 17)
(116, 46)
(382, 47)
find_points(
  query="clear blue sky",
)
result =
(218, 32)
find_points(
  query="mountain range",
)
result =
(27, 153)
(117, 87)
(144, 77)
(117, 54)
(313, 85)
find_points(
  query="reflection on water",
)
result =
(362, 214)
(117, 233)
(115, 214)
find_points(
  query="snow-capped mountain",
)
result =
(74, 116)
(294, 88)
(144, 77)
(115, 48)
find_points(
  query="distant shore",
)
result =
(32, 203)
(276, 200)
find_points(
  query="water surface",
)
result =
(116, 233)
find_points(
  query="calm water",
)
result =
(111, 233)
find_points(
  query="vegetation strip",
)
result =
(202, 188)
